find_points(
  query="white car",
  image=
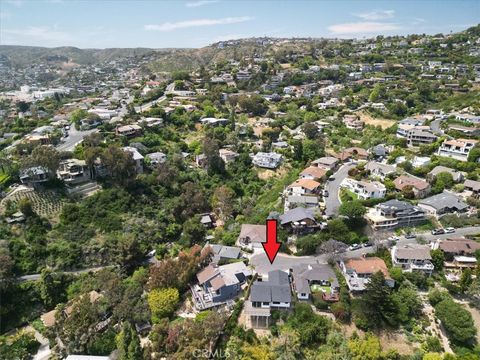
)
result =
(354, 247)
(449, 230)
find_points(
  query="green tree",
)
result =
(466, 279)
(163, 303)
(128, 343)
(432, 356)
(193, 231)
(223, 200)
(310, 130)
(51, 287)
(365, 349)
(119, 164)
(457, 321)
(44, 156)
(352, 209)
(438, 258)
(378, 307)
(443, 180)
(25, 206)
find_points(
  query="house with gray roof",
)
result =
(308, 278)
(252, 236)
(473, 186)
(294, 201)
(34, 175)
(326, 162)
(380, 170)
(224, 253)
(299, 219)
(267, 294)
(412, 257)
(456, 175)
(156, 158)
(443, 203)
(270, 160)
(218, 285)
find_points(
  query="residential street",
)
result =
(74, 137)
(332, 202)
(284, 262)
(33, 277)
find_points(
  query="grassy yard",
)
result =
(319, 288)
(347, 195)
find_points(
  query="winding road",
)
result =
(332, 202)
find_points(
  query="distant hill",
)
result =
(159, 59)
(172, 58)
(21, 56)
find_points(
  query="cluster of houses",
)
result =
(220, 285)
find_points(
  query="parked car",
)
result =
(393, 238)
(354, 247)
(438, 231)
(449, 230)
(367, 244)
(331, 178)
(325, 193)
(410, 236)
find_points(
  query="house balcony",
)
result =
(251, 310)
(425, 266)
(203, 299)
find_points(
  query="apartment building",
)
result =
(458, 149)
(394, 213)
(417, 137)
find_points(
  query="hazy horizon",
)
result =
(199, 23)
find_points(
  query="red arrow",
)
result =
(271, 246)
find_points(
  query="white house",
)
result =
(458, 149)
(365, 190)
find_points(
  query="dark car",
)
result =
(331, 178)
(367, 244)
(438, 232)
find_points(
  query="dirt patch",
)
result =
(266, 174)
(286, 66)
(257, 129)
(369, 120)
(388, 339)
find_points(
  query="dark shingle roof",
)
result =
(276, 289)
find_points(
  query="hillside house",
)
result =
(218, 285)
(309, 278)
(419, 187)
(458, 149)
(394, 213)
(357, 272)
(266, 295)
(412, 257)
(252, 236)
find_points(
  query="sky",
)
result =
(197, 23)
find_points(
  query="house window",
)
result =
(276, 303)
(265, 304)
